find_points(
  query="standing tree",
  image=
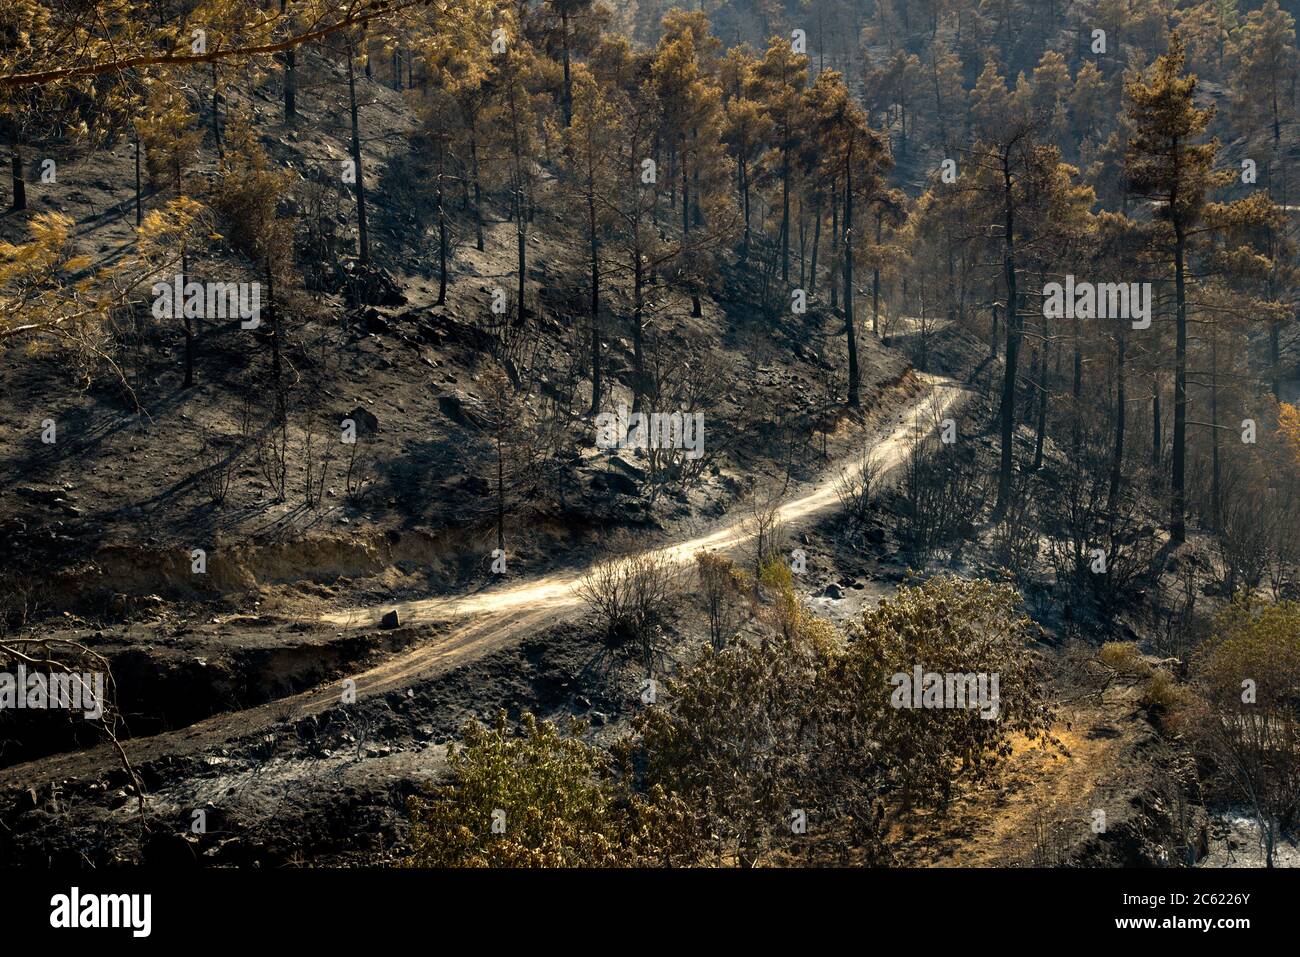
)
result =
(1166, 163)
(859, 157)
(591, 150)
(1246, 718)
(779, 79)
(247, 196)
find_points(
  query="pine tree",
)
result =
(779, 79)
(591, 150)
(859, 156)
(1265, 54)
(1166, 162)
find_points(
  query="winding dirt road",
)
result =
(478, 624)
(496, 616)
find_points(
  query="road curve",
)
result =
(489, 619)
(478, 624)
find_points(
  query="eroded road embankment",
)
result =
(468, 627)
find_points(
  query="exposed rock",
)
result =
(367, 422)
(629, 468)
(462, 409)
(614, 482)
(371, 286)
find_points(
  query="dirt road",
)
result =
(475, 625)
(497, 613)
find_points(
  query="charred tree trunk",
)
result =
(836, 239)
(189, 325)
(1216, 488)
(595, 293)
(19, 201)
(359, 187)
(785, 215)
(1177, 492)
(216, 112)
(1121, 418)
(638, 328)
(478, 192)
(1007, 410)
(139, 203)
(744, 200)
(441, 197)
(875, 280)
(816, 244)
(290, 77)
(281, 411)
(850, 330)
(1157, 442)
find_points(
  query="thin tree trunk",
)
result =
(290, 77)
(1216, 499)
(1076, 392)
(744, 199)
(359, 188)
(501, 497)
(1275, 358)
(281, 412)
(568, 84)
(521, 247)
(638, 327)
(1156, 441)
(1007, 411)
(478, 191)
(290, 86)
(189, 325)
(835, 239)
(1177, 494)
(442, 222)
(875, 281)
(216, 113)
(1121, 417)
(16, 171)
(785, 215)
(595, 293)
(139, 207)
(816, 243)
(1040, 400)
(850, 330)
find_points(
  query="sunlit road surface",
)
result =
(484, 621)
(472, 626)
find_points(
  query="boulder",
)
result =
(614, 482)
(367, 422)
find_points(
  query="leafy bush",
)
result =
(1162, 695)
(1123, 657)
(1245, 718)
(721, 585)
(544, 787)
(946, 626)
(557, 801)
(750, 738)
